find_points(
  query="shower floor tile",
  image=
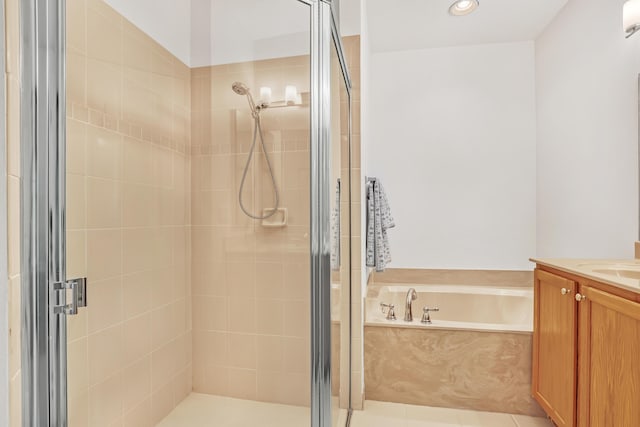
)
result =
(383, 414)
(204, 410)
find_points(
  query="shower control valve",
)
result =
(426, 317)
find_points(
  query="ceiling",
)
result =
(207, 32)
(422, 24)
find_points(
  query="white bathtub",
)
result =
(476, 308)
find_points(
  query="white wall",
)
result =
(452, 138)
(210, 32)
(351, 17)
(248, 30)
(587, 94)
(166, 21)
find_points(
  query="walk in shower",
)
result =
(192, 161)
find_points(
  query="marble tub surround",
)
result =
(454, 277)
(600, 270)
(453, 369)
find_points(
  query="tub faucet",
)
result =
(411, 296)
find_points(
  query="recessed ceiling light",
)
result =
(463, 7)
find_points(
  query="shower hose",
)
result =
(257, 131)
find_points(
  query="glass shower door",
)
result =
(187, 186)
(340, 237)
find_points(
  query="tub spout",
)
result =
(411, 296)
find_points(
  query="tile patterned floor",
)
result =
(382, 414)
(202, 410)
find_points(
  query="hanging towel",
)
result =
(379, 220)
(335, 231)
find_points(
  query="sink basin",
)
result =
(627, 273)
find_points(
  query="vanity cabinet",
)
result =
(555, 347)
(586, 347)
(609, 355)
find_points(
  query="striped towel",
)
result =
(379, 220)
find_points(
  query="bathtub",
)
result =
(466, 307)
(476, 353)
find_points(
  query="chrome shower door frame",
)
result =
(324, 32)
(320, 150)
(43, 331)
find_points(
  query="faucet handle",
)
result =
(426, 317)
(391, 314)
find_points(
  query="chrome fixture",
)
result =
(243, 90)
(78, 289)
(389, 310)
(463, 7)
(631, 17)
(426, 317)
(411, 296)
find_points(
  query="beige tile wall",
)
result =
(242, 269)
(340, 298)
(250, 283)
(12, 82)
(352, 52)
(128, 220)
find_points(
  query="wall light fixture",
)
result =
(631, 17)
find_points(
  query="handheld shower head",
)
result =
(240, 88)
(243, 90)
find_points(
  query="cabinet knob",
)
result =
(580, 297)
(565, 291)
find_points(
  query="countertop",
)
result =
(617, 275)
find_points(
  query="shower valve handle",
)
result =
(426, 317)
(391, 314)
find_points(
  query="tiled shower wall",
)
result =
(351, 47)
(128, 220)
(130, 188)
(250, 283)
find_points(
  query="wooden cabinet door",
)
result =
(554, 347)
(609, 386)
